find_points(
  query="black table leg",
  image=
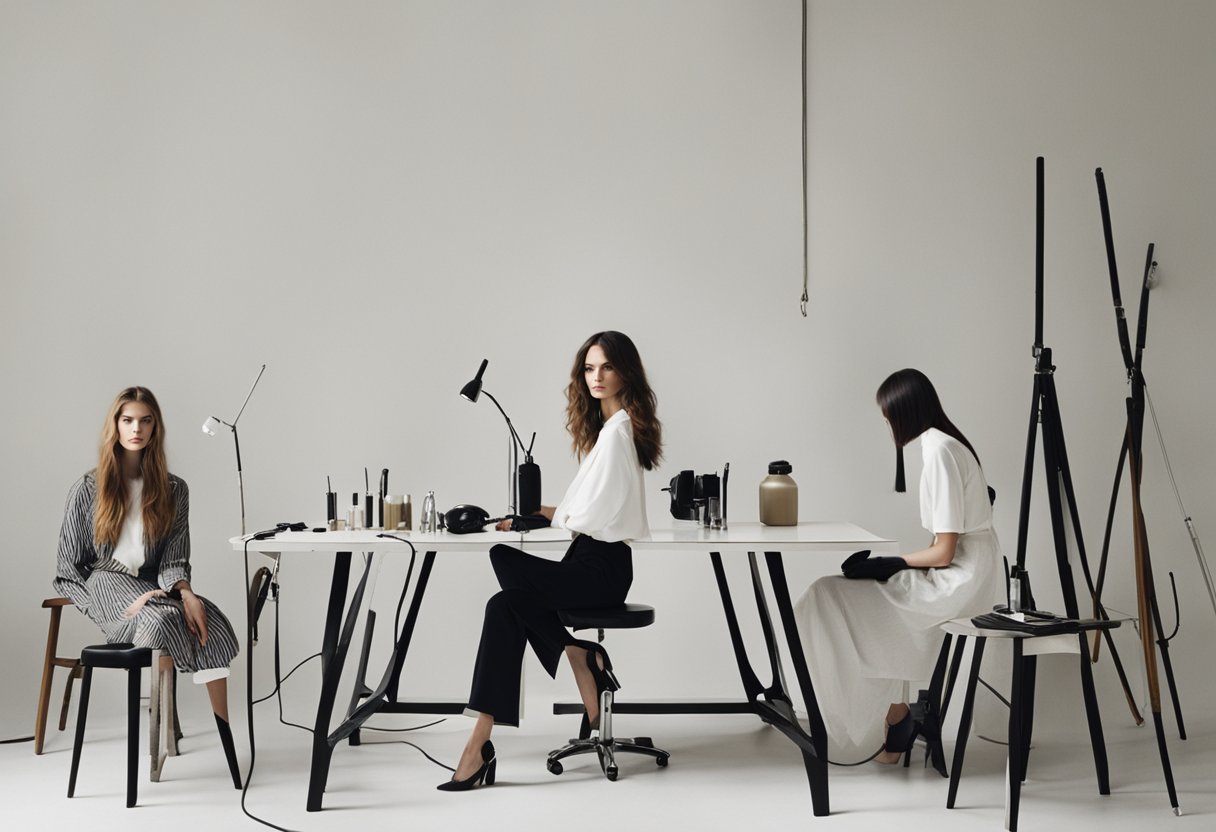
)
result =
(776, 691)
(751, 684)
(815, 757)
(335, 646)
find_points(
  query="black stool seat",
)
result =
(622, 617)
(606, 745)
(121, 655)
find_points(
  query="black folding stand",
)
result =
(1045, 413)
(1131, 452)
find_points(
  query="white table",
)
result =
(771, 703)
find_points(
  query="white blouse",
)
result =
(607, 499)
(129, 550)
(953, 492)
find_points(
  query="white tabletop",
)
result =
(817, 535)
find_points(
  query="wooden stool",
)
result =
(49, 663)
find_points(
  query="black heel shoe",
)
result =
(901, 735)
(605, 679)
(484, 774)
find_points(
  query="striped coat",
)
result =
(102, 588)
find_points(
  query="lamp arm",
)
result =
(248, 396)
(510, 426)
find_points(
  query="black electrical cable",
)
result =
(881, 749)
(249, 700)
(16, 740)
(279, 682)
(405, 586)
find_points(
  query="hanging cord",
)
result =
(805, 261)
(1186, 518)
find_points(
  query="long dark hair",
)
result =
(583, 417)
(110, 509)
(910, 404)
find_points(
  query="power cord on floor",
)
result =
(16, 740)
(881, 749)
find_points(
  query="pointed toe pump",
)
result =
(485, 774)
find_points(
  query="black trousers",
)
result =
(591, 574)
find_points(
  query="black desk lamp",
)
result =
(525, 478)
(209, 428)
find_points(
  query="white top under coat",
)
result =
(607, 499)
(130, 550)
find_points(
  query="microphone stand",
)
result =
(1132, 452)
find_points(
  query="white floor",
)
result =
(725, 773)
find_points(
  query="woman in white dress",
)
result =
(874, 628)
(610, 414)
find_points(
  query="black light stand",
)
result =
(1045, 412)
(1131, 452)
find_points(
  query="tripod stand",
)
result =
(1131, 452)
(1045, 414)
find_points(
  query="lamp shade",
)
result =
(472, 390)
(210, 426)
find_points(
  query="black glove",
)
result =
(861, 565)
(528, 522)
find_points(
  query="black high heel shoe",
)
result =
(484, 774)
(605, 679)
(901, 735)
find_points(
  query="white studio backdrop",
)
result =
(372, 197)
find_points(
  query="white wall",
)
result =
(371, 197)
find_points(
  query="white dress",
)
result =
(864, 639)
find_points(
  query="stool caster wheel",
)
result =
(661, 762)
(554, 767)
(610, 772)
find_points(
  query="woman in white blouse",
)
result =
(610, 414)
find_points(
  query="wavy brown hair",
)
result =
(110, 509)
(583, 416)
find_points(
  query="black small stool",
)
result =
(605, 746)
(125, 657)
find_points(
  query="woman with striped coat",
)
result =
(124, 554)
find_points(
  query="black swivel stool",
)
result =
(605, 746)
(126, 657)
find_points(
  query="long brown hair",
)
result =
(583, 416)
(910, 404)
(159, 507)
